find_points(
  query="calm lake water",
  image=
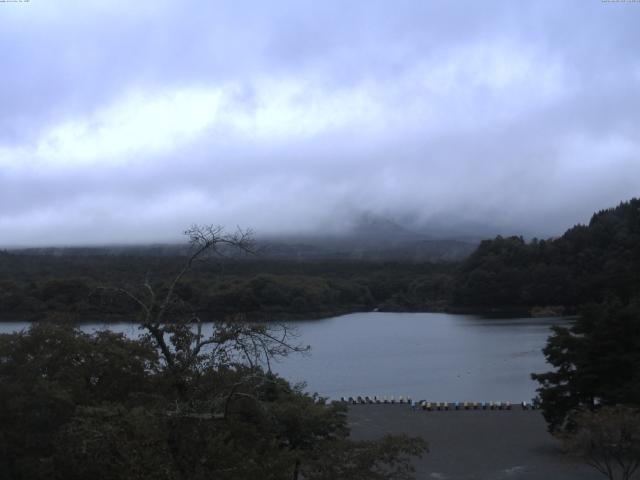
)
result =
(433, 356)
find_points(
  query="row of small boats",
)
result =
(431, 406)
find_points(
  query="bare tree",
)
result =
(180, 338)
(608, 439)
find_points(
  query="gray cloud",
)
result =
(126, 121)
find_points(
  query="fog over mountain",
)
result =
(124, 122)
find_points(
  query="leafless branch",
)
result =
(182, 346)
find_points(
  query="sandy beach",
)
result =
(486, 445)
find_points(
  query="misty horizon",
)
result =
(366, 230)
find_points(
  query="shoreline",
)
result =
(473, 444)
(497, 313)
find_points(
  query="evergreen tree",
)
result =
(596, 360)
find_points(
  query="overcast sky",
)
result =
(126, 121)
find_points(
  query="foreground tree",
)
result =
(51, 372)
(176, 403)
(596, 360)
(608, 440)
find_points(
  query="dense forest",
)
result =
(38, 285)
(587, 263)
(594, 390)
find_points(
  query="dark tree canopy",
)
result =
(597, 362)
(584, 265)
(101, 406)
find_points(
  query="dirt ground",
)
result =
(492, 444)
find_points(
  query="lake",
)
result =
(433, 356)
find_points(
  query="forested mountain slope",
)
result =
(587, 263)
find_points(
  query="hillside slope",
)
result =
(587, 263)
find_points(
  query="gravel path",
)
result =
(487, 445)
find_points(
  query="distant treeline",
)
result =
(83, 286)
(586, 264)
